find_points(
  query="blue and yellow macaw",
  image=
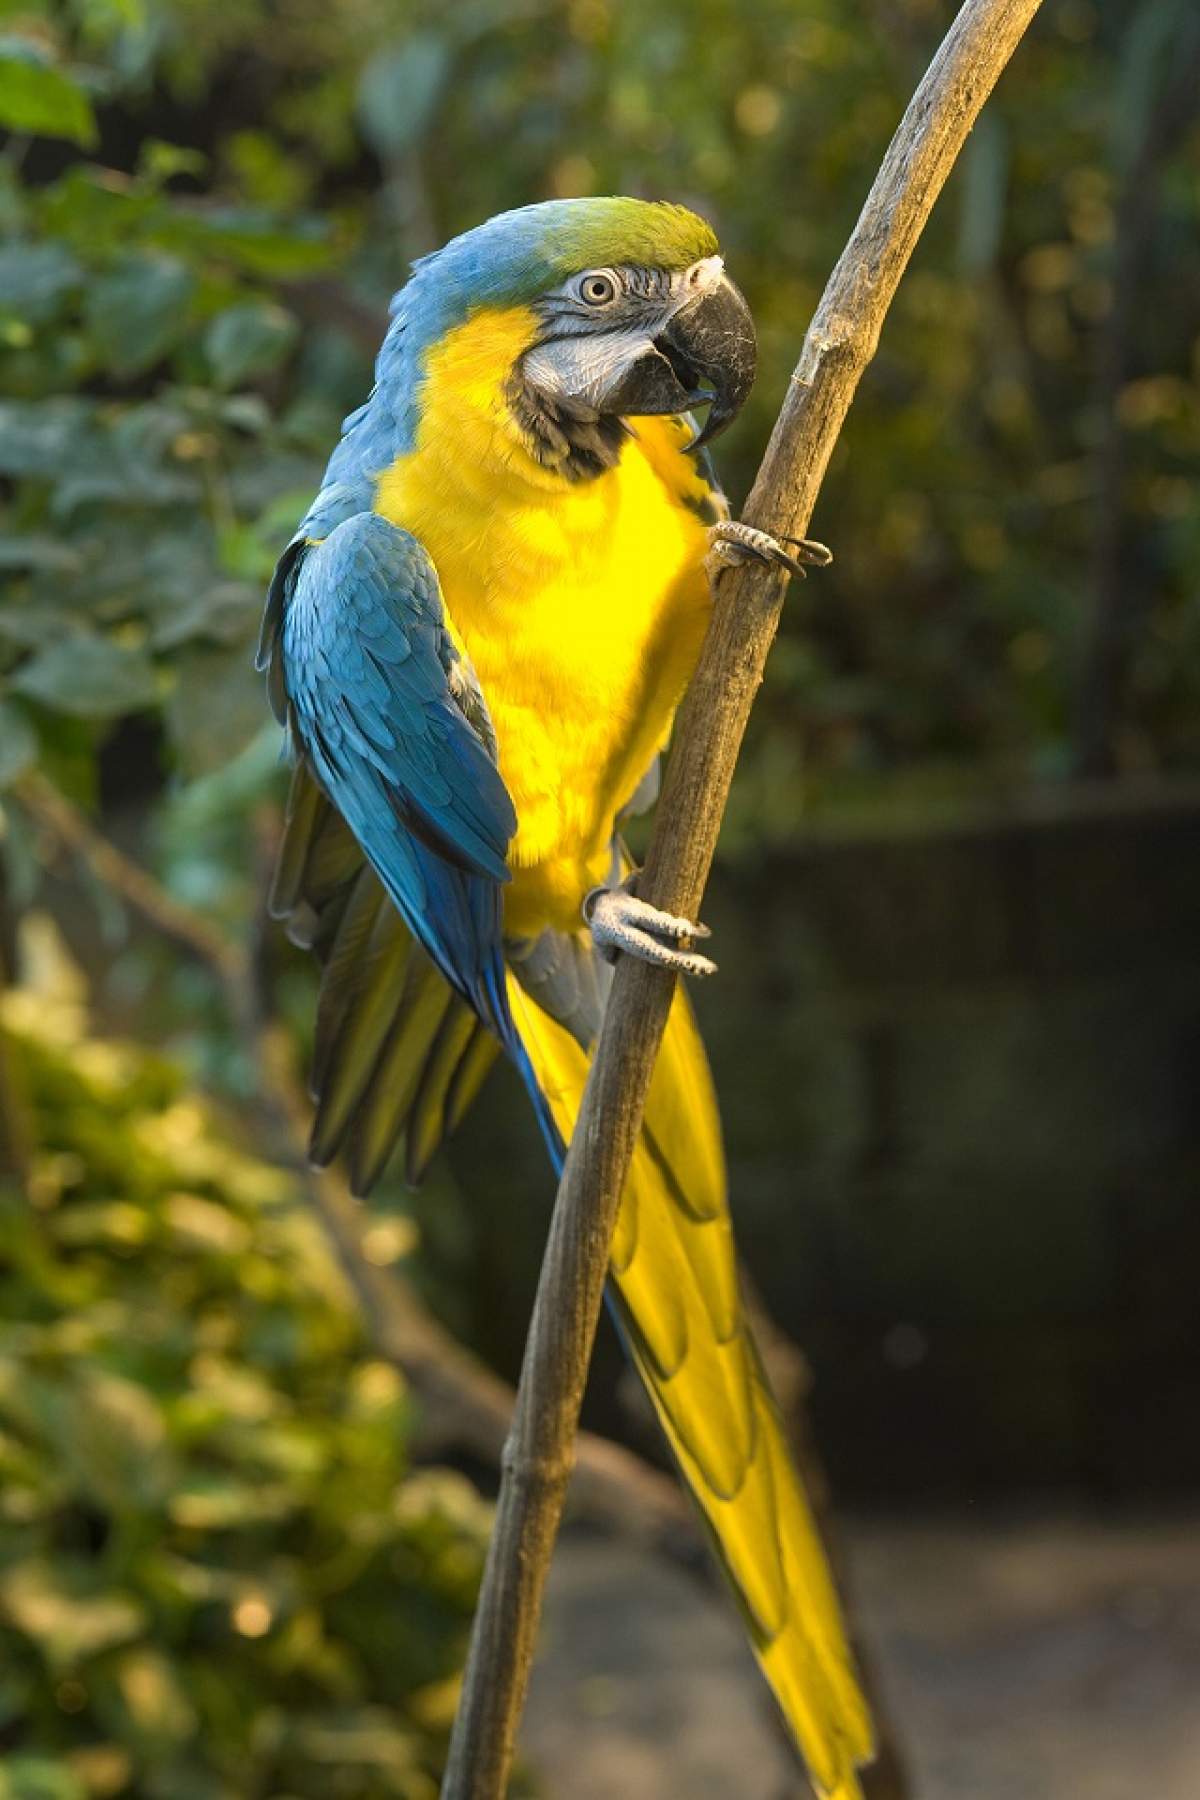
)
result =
(477, 639)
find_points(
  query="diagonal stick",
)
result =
(712, 720)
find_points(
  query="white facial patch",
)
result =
(583, 369)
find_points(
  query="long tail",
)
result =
(399, 1055)
(675, 1289)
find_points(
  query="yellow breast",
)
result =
(580, 604)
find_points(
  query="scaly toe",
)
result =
(731, 543)
(619, 921)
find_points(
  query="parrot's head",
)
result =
(630, 313)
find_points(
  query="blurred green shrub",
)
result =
(218, 1575)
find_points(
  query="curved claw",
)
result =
(811, 551)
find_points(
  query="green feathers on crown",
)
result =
(654, 233)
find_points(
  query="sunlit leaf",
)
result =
(208, 1503)
(39, 99)
(150, 1693)
(161, 162)
(40, 1778)
(59, 1607)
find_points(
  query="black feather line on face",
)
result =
(577, 444)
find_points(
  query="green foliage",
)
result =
(176, 380)
(37, 98)
(135, 317)
(217, 1574)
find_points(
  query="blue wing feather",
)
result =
(366, 663)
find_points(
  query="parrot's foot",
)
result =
(731, 543)
(620, 921)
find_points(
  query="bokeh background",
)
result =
(957, 1027)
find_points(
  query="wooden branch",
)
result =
(840, 343)
(464, 1404)
(127, 879)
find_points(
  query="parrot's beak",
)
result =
(711, 347)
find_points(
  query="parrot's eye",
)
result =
(598, 290)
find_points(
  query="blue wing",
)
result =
(370, 674)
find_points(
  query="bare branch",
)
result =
(840, 343)
(75, 832)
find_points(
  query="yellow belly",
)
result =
(581, 606)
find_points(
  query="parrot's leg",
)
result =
(731, 543)
(620, 921)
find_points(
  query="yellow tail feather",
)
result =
(675, 1284)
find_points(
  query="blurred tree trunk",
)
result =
(1118, 600)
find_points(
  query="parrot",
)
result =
(476, 641)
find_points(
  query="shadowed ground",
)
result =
(1055, 1659)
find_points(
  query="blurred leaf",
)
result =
(252, 238)
(368, 1736)
(210, 1503)
(398, 91)
(41, 100)
(134, 462)
(149, 1705)
(91, 677)
(39, 438)
(38, 1778)
(216, 708)
(18, 743)
(267, 172)
(161, 162)
(138, 311)
(247, 340)
(59, 1608)
(35, 279)
(182, 1375)
(38, 552)
(97, 213)
(115, 1439)
(226, 612)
